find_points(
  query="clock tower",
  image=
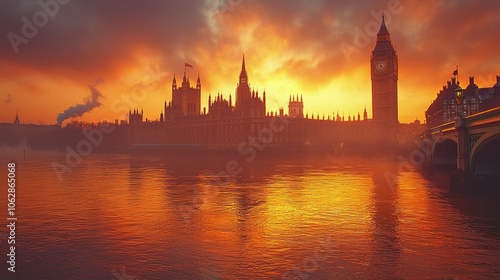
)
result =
(384, 74)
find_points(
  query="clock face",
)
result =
(380, 66)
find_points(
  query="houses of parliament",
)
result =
(245, 122)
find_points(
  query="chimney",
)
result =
(449, 84)
(453, 80)
(471, 80)
(498, 82)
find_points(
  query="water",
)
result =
(119, 216)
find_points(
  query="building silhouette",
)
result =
(384, 76)
(295, 107)
(248, 103)
(186, 100)
(16, 120)
(246, 125)
(445, 107)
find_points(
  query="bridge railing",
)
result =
(443, 128)
(483, 117)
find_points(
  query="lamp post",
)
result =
(459, 93)
(463, 135)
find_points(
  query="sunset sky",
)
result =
(130, 51)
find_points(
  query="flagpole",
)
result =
(457, 74)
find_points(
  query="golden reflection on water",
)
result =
(316, 219)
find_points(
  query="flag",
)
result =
(187, 65)
(455, 73)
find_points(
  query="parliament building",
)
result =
(244, 122)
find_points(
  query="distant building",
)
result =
(408, 132)
(445, 107)
(16, 120)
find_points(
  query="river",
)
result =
(151, 216)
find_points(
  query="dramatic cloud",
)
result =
(317, 48)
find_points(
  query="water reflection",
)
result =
(172, 218)
(386, 244)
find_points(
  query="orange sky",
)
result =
(317, 49)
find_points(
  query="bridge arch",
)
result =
(485, 155)
(445, 151)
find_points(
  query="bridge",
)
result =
(471, 143)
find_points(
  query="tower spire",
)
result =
(198, 82)
(174, 83)
(16, 120)
(383, 33)
(243, 69)
(243, 74)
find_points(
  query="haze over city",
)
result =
(318, 49)
(250, 139)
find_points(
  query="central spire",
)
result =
(243, 74)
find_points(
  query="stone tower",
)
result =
(384, 75)
(295, 107)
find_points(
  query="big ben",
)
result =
(384, 74)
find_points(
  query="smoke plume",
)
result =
(77, 110)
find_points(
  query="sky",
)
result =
(121, 55)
